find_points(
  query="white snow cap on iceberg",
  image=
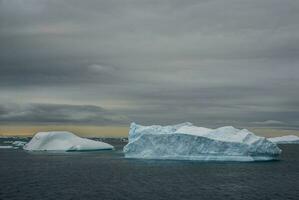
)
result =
(187, 142)
(63, 141)
(287, 139)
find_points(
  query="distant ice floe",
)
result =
(14, 144)
(63, 141)
(188, 142)
(6, 147)
(18, 143)
(287, 139)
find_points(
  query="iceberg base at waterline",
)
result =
(188, 142)
(63, 141)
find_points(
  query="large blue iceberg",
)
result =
(187, 142)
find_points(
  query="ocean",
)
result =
(105, 175)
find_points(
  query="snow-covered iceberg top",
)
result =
(287, 139)
(188, 142)
(63, 141)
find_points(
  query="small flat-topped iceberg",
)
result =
(287, 139)
(188, 142)
(63, 141)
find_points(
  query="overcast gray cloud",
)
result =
(210, 62)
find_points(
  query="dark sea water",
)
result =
(108, 175)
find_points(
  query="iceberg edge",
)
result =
(286, 139)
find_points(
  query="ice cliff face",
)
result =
(63, 141)
(287, 139)
(188, 142)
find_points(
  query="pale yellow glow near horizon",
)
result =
(85, 131)
(270, 132)
(108, 131)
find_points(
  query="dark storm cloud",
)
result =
(210, 62)
(59, 113)
(55, 73)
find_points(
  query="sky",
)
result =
(109, 63)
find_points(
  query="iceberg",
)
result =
(187, 142)
(287, 139)
(63, 141)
